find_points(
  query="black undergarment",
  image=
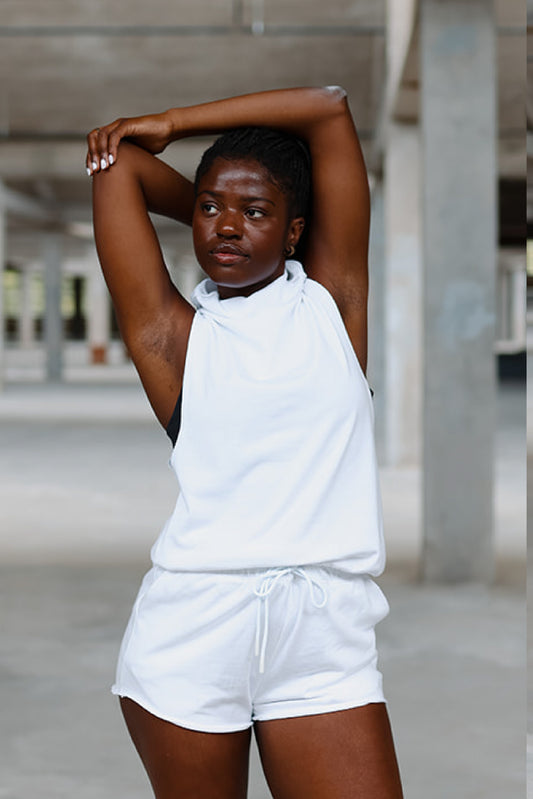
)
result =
(173, 426)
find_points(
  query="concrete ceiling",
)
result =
(88, 61)
(91, 61)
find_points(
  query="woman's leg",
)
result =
(348, 754)
(184, 764)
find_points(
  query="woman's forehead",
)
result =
(240, 175)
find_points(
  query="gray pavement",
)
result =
(84, 488)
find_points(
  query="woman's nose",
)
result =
(229, 224)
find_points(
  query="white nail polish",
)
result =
(111, 160)
(94, 165)
(88, 171)
(103, 163)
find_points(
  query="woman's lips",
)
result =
(227, 254)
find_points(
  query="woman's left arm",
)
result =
(337, 245)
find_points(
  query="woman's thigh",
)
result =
(347, 754)
(185, 764)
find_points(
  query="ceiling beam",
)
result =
(45, 158)
(166, 31)
(71, 220)
(20, 204)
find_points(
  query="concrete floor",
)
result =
(74, 497)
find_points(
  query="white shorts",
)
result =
(216, 651)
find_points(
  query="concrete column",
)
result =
(53, 322)
(3, 227)
(26, 310)
(458, 114)
(403, 316)
(376, 315)
(98, 314)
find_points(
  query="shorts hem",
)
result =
(303, 708)
(200, 727)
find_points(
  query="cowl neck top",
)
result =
(284, 289)
(275, 457)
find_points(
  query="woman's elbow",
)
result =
(335, 100)
(336, 93)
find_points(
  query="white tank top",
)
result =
(275, 457)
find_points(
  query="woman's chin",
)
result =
(233, 281)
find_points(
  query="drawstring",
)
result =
(268, 583)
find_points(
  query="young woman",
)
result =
(260, 608)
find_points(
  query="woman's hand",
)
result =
(152, 132)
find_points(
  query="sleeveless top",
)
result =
(275, 456)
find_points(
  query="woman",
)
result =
(259, 609)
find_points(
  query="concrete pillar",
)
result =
(53, 322)
(403, 318)
(26, 310)
(98, 315)
(3, 227)
(376, 315)
(458, 115)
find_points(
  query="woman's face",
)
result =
(241, 227)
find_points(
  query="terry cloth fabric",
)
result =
(275, 457)
(216, 651)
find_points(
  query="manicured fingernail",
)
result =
(88, 171)
(111, 159)
(103, 163)
(94, 165)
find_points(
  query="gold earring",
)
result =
(290, 250)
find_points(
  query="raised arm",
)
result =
(153, 317)
(337, 249)
(337, 245)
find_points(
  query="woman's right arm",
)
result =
(153, 317)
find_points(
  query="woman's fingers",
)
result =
(108, 139)
(152, 132)
(102, 146)
(92, 160)
(114, 139)
(96, 151)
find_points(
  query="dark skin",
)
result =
(241, 225)
(348, 754)
(241, 229)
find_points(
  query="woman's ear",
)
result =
(296, 228)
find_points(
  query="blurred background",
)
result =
(438, 93)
